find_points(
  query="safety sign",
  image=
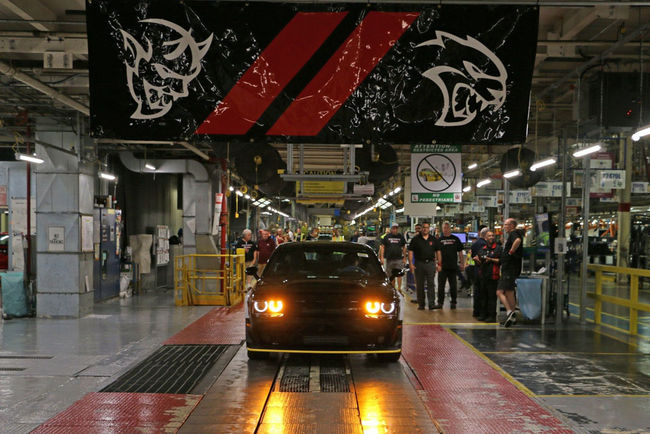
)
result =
(436, 173)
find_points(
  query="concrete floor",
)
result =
(48, 364)
(591, 381)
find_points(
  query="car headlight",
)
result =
(272, 308)
(372, 307)
(261, 306)
(377, 309)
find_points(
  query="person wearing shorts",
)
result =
(393, 250)
(511, 259)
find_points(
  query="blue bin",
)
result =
(529, 295)
(14, 302)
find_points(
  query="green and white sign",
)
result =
(436, 175)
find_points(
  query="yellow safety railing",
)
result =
(632, 303)
(209, 279)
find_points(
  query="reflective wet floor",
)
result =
(456, 375)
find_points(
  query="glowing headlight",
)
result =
(260, 306)
(275, 306)
(372, 307)
(388, 308)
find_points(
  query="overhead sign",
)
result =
(516, 196)
(310, 72)
(641, 187)
(321, 187)
(550, 189)
(436, 175)
(611, 179)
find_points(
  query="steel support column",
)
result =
(586, 184)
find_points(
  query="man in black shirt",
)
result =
(422, 262)
(252, 252)
(511, 258)
(449, 253)
(393, 249)
(489, 275)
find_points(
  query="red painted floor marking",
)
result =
(220, 326)
(270, 73)
(464, 393)
(343, 73)
(123, 412)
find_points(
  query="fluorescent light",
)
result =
(149, 166)
(641, 133)
(586, 151)
(399, 210)
(239, 193)
(472, 166)
(483, 182)
(542, 163)
(4, 237)
(468, 188)
(512, 173)
(231, 188)
(30, 158)
(246, 196)
(397, 190)
(107, 176)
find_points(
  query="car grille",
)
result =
(325, 340)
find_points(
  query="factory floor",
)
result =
(142, 364)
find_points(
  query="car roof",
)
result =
(343, 245)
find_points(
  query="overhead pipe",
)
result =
(43, 88)
(192, 167)
(184, 144)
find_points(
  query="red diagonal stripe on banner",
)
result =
(342, 74)
(270, 73)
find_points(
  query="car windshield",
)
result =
(330, 260)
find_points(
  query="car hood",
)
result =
(320, 288)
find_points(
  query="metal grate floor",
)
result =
(333, 375)
(171, 369)
(295, 377)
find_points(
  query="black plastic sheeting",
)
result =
(310, 73)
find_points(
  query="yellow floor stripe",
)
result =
(498, 368)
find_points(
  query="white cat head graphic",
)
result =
(476, 83)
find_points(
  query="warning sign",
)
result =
(436, 173)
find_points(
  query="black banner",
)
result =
(310, 73)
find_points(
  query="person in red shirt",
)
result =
(266, 246)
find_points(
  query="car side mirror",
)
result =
(252, 271)
(396, 272)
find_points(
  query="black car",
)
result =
(324, 297)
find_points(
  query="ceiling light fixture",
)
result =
(149, 166)
(466, 189)
(30, 158)
(107, 176)
(586, 151)
(512, 173)
(472, 166)
(641, 133)
(483, 182)
(542, 163)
